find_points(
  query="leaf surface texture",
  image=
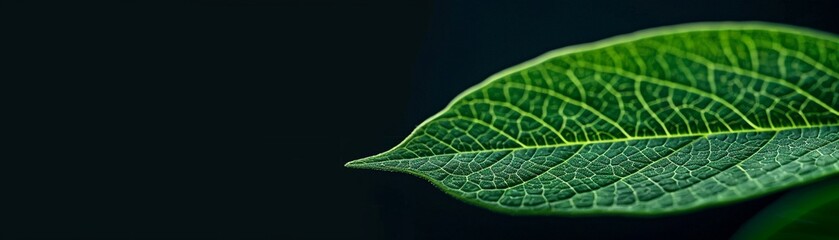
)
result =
(658, 121)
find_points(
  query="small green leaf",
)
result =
(659, 121)
(807, 213)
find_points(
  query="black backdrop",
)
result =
(233, 119)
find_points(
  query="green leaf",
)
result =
(659, 121)
(807, 213)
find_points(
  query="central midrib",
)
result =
(602, 141)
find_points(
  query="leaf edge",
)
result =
(590, 46)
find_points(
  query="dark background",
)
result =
(233, 119)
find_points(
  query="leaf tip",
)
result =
(350, 164)
(365, 163)
(354, 164)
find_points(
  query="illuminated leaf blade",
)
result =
(659, 121)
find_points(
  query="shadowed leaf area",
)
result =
(808, 213)
(659, 121)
